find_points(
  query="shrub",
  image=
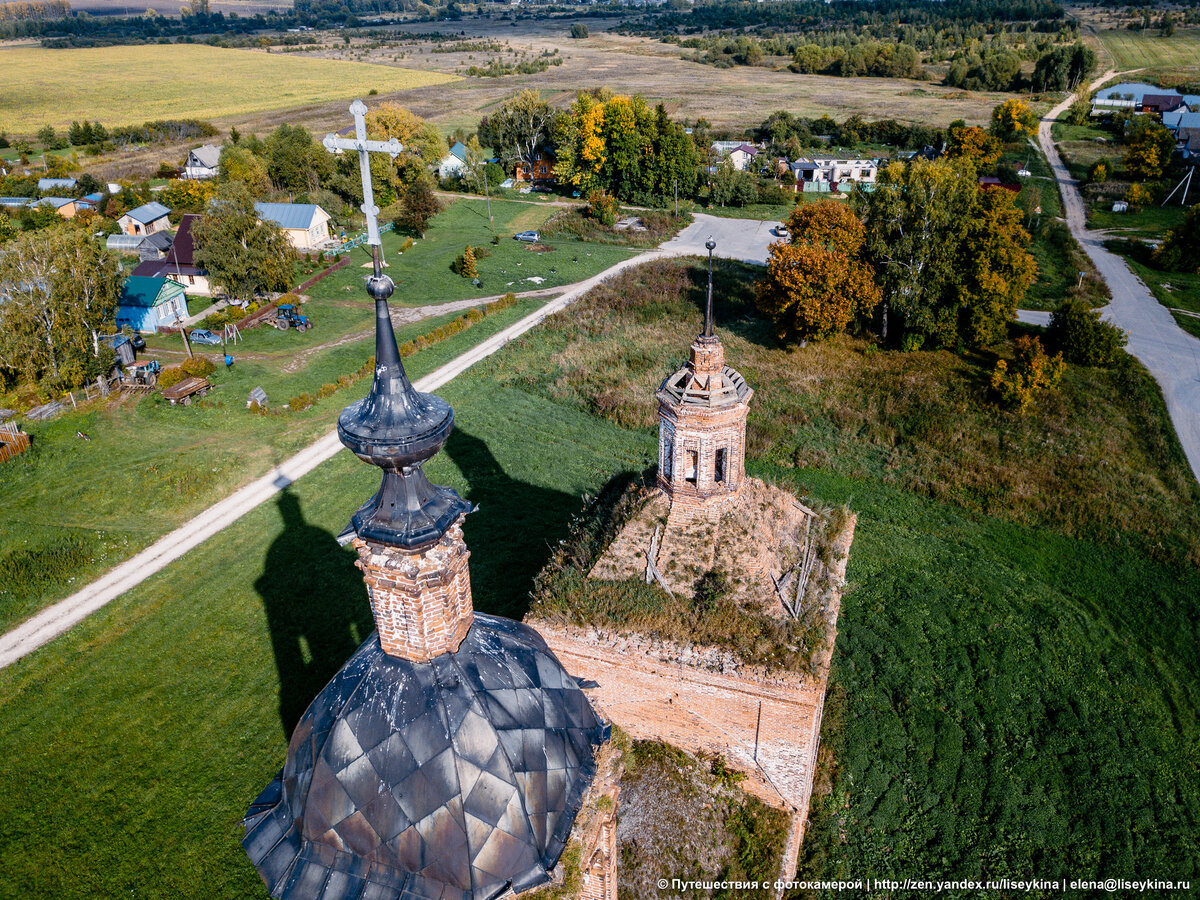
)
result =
(1077, 331)
(602, 206)
(1139, 195)
(1099, 172)
(503, 303)
(408, 348)
(464, 263)
(326, 390)
(1032, 372)
(474, 315)
(301, 401)
(197, 367)
(170, 376)
(579, 30)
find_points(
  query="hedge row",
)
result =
(303, 401)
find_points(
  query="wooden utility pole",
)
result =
(183, 334)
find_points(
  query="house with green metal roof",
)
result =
(149, 303)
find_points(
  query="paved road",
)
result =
(744, 239)
(1170, 354)
(57, 619)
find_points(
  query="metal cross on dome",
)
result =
(359, 142)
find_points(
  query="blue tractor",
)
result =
(287, 317)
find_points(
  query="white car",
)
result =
(781, 231)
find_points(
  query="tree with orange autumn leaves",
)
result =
(816, 284)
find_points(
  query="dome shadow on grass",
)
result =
(316, 605)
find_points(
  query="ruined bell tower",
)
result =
(702, 427)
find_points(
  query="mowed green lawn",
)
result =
(145, 733)
(1005, 697)
(73, 509)
(423, 275)
(134, 84)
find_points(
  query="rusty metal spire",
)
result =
(708, 310)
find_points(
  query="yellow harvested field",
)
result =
(130, 85)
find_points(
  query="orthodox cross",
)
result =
(359, 142)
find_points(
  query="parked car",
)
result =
(781, 231)
(530, 237)
(203, 336)
(137, 342)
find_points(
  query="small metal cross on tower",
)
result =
(359, 142)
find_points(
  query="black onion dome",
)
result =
(396, 427)
(450, 780)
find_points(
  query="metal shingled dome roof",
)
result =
(449, 780)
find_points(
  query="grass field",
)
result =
(170, 463)
(150, 466)
(1007, 697)
(422, 275)
(129, 85)
(1137, 49)
(1149, 222)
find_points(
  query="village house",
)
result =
(1162, 103)
(56, 184)
(540, 169)
(739, 153)
(12, 204)
(455, 162)
(202, 162)
(64, 206)
(305, 224)
(179, 264)
(91, 201)
(820, 174)
(1139, 97)
(145, 219)
(150, 303)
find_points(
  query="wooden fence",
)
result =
(89, 391)
(345, 261)
(13, 442)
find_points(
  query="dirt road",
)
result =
(57, 619)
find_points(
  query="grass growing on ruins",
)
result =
(1008, 695)
(922, 421)
(685, 816)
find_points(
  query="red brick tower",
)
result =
(702, 427)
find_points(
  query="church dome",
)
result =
(689, 388)
(448, 780)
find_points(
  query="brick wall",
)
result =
(421, 601)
